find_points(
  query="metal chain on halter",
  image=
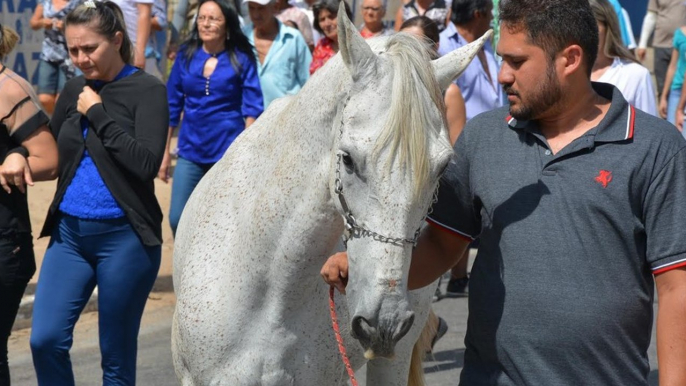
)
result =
(352, 228)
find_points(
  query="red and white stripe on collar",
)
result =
(630, 122)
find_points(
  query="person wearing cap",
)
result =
(283, 58)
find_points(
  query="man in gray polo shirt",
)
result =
(580, 203)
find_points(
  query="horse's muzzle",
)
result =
(379, 340)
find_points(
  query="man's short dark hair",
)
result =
(462, 11)
(553, 25)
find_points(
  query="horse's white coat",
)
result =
(251, 306)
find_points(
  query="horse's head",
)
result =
(391, 149)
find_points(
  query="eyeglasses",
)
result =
(210, 19)
(374, 9)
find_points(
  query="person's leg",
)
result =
(672, 102)
(126, 272)
(661, 58)
(66, 283)
(48, 83)
(17, 265)
(186, 176)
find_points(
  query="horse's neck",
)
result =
(297, 136)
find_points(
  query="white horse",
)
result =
(361, 148)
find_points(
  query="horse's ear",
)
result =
(356, 53)
(451, 65)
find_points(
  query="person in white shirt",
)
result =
(616, 65)
(138, 20)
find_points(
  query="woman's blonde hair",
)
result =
(614, 46)
(8, 39)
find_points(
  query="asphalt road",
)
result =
(154, 353)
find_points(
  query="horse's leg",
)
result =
(396, 372)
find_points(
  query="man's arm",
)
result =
(646, 31)
(437, 251)
(671, 326)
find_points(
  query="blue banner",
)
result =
(24, 59)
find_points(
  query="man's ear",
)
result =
(572, 59)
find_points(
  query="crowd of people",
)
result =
(536, 96)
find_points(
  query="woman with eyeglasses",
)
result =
(214, 83)
(373, 12)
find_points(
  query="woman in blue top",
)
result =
(104, 221)
(674, 80)
(214, 83)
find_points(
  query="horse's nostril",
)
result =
(361, 329)
(403, 327)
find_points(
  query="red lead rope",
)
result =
(337, 331)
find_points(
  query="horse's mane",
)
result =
(410, 127)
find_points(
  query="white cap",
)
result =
(261, 2)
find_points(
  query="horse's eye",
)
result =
(347, 160)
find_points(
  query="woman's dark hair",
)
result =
(332, 7)
(106, 19)
(235, 38)
(554, 25)
(427, 25)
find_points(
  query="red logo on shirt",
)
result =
(604, 177)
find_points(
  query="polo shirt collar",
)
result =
(617, 125)
(452, 33)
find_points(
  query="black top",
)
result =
(126, 139)
(20, 116)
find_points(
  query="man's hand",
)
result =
(641, 54)
(87, 99)
(15, 171)
(335, 271)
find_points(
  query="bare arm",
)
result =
(671, 326)
(143, 33)
(398, 19)
(38, 21)
(668, 83)
(41, 164)
(249, 121)
(455, 111)
(163, 174)
(437, 251)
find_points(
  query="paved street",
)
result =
(154, 359)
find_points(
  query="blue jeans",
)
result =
(81, 255)
(672, 102)
(187, 175)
